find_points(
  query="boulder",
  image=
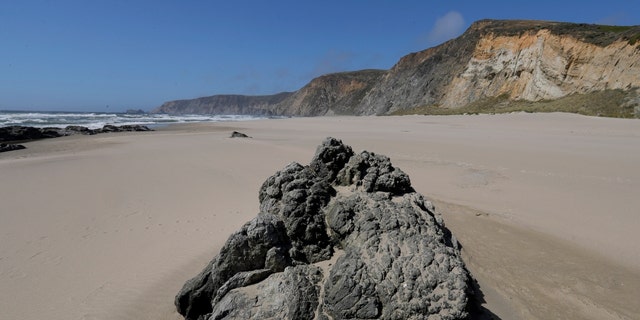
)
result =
(345, 237)
(237, 134)
(69, 130)
(51, 132)
(127, 127)
(23, 133)
(4, 147)
(110, 128)
(19, 133)
(134, 128)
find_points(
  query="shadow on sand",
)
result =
(478, 310)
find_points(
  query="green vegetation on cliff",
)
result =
(607, 103)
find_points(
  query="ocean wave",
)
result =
(95, 120)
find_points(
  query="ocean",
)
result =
(95, 120)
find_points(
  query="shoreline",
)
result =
(554, 189)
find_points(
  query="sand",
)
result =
(546, 207)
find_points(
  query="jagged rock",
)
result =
(237, 134)
(292, 294)
(374, 173)
(69, 130)
(391, 255)
(4, 147)
(295, 195)
(19, 133)
(245, 250)
(110, 128)
(23, 133)
(51, 132)
(331, 156)
(123, 128)
(134, 127)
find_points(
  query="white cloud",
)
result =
(447, 27)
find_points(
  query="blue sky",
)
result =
(114, 55)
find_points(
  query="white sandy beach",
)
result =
(546, 206)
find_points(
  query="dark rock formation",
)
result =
(345, 237)
(135, 111)
(52, 132)
(237, 134)
(123, 128)
(71, 130)
(22, 133)
(10, 147)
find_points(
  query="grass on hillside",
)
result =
(614, 28)
(600, 35)
(632, 37)
(607, 103)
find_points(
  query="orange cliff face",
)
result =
(542, 65)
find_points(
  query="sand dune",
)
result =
(110, 226)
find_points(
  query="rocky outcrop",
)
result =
(124, 128)
(517, 60)
(23, 133)
(345, 237)
(4, 147)
(237, 134)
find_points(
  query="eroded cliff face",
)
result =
(524, 60)
(332, 94)
(419, 78)
(542, 65)
(516, 60)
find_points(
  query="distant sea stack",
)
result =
(345, 237)
(494, 64)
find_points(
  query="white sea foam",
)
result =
(94, 120)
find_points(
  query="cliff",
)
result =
(522, 60)
(224, 104)
(515, 61)
(337, 93)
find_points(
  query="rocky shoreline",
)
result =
(12, 134)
